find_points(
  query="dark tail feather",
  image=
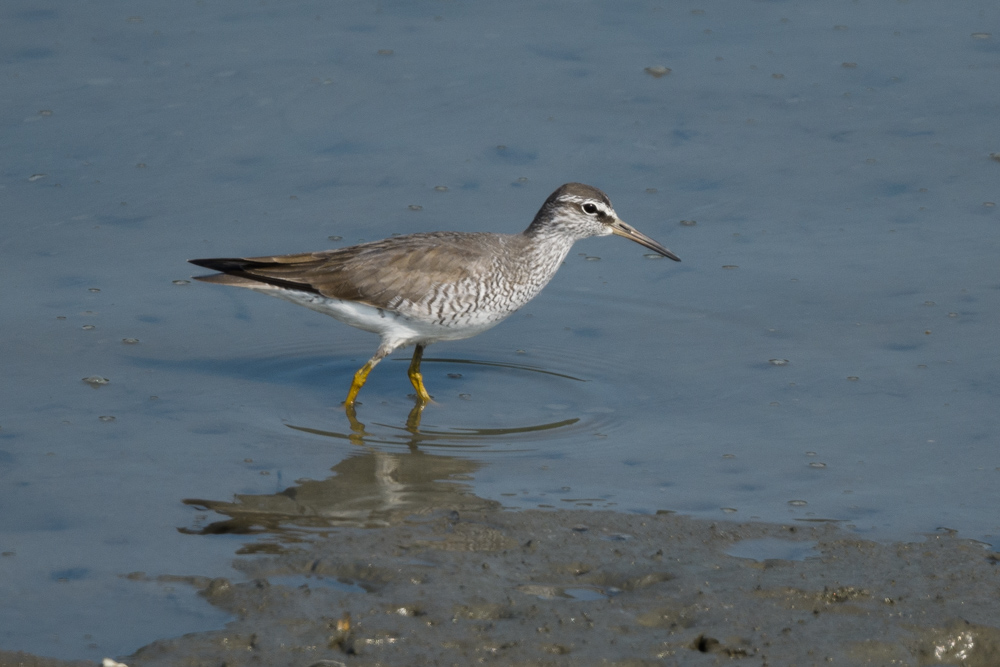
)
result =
(223, 264)
(239, 272)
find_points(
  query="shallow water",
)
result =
(825, 352)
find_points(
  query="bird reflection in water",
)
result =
(371, 487)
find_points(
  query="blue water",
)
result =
(834, 156)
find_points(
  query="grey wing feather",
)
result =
(379, 274)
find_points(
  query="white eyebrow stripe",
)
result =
(576, 199)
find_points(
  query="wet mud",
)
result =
(486, 586)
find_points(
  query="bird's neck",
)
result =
(542, 255)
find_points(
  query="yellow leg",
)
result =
(359, 381)
(415, 377)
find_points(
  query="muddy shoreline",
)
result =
(579, 587)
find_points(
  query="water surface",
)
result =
(825, 352)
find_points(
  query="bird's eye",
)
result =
(590, 209)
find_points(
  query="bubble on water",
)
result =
(657, 71)
(778, 362)
(106, 418)
(797, 503)
(96, 381)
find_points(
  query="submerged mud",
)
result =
(578, 587)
